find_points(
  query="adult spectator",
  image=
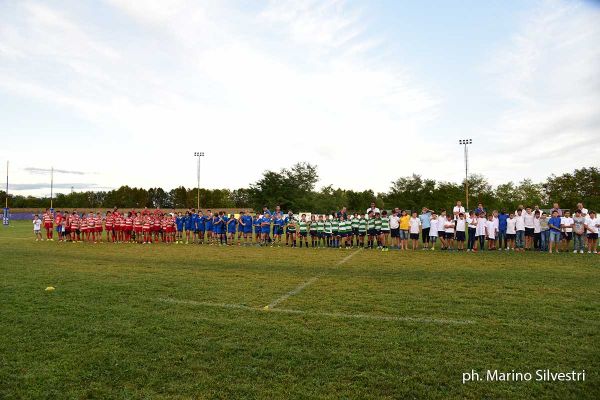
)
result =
(373, 208)
(343, 213)
(480, 209)
(458, 208)
(425, 218)
(266, 210)
(584, 211)
(556, 208)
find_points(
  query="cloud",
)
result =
(34, 170)
(548, 77)
(46, 185)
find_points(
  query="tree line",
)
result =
(294, 189)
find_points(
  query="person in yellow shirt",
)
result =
(404, 227)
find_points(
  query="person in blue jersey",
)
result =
(247, 218)
(278, 223)
(219, 227)
(265, 228)
(193, 219)
(501, 235)
(256, 225)
(179, 222)
(200, 226)
(208, 222)
(231, 229)
(189, 226)
(240, 228)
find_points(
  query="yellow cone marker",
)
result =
(49, 288)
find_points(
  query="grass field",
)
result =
(177, 321)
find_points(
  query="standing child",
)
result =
(404, 225)
(414, 230)
(490, 232)
(591, 227)
(385, 230)
(48, 224)
(433, 230)
(566, 223)
(37, 228)
(511, 232)
(303, 230)
(312, 229)
(472, 229)
(520, 226)
(362, 231)
(461, 226)
(449, 232)
(578, 231)
(231, 229)
(554, 224)
(441, 226)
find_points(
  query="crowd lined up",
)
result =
(525, 229)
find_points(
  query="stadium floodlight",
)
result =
(465, 143)
(198, 154)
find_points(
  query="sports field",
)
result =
(184, 321)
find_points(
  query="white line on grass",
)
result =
(443, 321)
(304, 285)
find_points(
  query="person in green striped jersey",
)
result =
(378, 229)
(362, 230)
(371, 231)
(385, 230)
(354, 229)
(328, 231)
(290, 229)
(335, 231)
(312, 230)
(320, 230)
(303, 230)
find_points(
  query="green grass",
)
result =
(108, 331)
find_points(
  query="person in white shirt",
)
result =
(461, 227)
(471, 228)
(433, 231)
(528, 218)
(566, 225)
(373, 209)
(497, 226)
(592, 223)
(490, 232)
(511, 231)
(520, 227)
(584, 211)
(37, 228)
(480, 231)
(395, 229)
(449, 232)
(414, 230)
(537, 231)
(458, 208)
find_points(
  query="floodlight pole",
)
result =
(198, 154)
(465, 143)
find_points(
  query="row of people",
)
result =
(519, 231)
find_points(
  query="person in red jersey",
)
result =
(128, 227)
(138, 223)
(156, 226)
(83, 228)
(48, 224)
(118, 227)
(91, 223)
(109, 225)
(66, 224)
(147, 229)
(99, 226)
(75, 225)
(172, 229)
(58, 218)
(164, 228)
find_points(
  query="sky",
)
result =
(123, 92)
